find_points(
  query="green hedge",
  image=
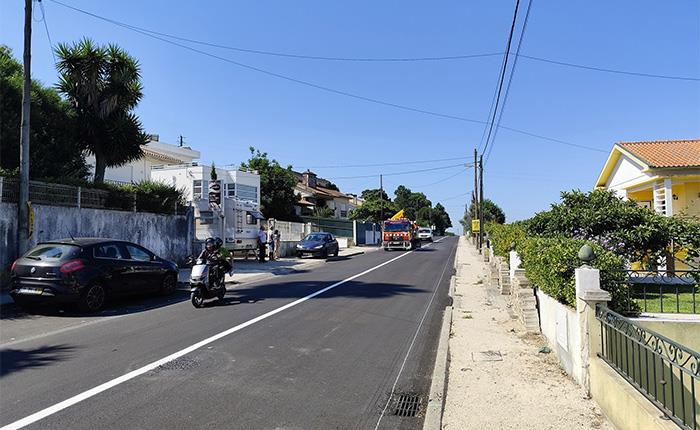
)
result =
(501, 236)
(550, 264)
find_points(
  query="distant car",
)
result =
(318, 244)
(88, 271)
(424, 233)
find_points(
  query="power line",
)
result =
(398, 173)
(510, 80)
(319, 87)
(46, 27)
(398, 163)
(502, 76)
(602, 69)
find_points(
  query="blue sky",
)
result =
(222, 109)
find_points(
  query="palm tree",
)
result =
(103, 86)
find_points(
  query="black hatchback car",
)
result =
(318, 244)
(87, 271)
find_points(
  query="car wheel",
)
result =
(169, 284)
(324, 254)
(300, 255)
(93, 298)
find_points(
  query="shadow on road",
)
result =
(291, 290)
(114, 307)
(14, 360)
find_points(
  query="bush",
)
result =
(550, 264)
(155, 196)
(502, 236)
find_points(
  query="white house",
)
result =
(194, 179)
(156, 153)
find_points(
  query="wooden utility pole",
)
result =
(481, 201)
(23, 204)
(381, 197)
(476, 188)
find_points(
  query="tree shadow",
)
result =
(299, 289)
(14, 360)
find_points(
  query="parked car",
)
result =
(88, 271)
(425, 233)
(318, 244)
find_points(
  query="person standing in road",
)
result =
(270, 245)
(262, 244)
(277, 240)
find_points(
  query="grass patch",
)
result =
(668, 301)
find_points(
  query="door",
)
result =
(111, 258)
(147, 272)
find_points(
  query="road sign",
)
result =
(475, 226)
(31, 219)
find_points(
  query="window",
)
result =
(198, 186)
(230, 190)
(53, 252)
(249, 219)
(138, 254)
(343, 214)
(109, 250)
(247, 192)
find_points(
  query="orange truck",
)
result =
(399, 233)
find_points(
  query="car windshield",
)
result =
(315, 237)
(52, 251)
(395, 227)
(424, 230)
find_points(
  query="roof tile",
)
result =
(666, 153)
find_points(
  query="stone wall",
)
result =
(169, 236)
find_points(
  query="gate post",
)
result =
(588, 296)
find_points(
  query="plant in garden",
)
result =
(276, 186)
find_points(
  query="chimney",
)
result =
(309, 178)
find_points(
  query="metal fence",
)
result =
(68, 195)
(337, 227)
(665, 372)
(662, 291)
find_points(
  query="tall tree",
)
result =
(377, 206)
(492, 213)
(276, 186)
(410, 202)
(441, 219)
(103, 85)
(54, 153)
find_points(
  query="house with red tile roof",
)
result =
(315, 192)
(663, 175)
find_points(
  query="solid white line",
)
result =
(147, 368)
(413, 341)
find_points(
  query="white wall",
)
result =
(625, 173)
(560, 325)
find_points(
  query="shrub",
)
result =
(502, 236)
(154, 196)
(550, 264)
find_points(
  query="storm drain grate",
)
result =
(407, 405)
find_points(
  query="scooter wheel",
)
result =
(197, 298)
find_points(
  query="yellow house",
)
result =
(661, 175)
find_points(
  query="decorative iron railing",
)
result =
(662, 291)
(665, 372)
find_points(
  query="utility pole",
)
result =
(23, 204)
(476, 189)
(481, 201)
(381, 197)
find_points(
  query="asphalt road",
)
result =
(269, 357)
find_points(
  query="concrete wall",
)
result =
(682, 329)
(169, 236)
(560, 325)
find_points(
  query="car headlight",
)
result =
(298, 245)
(318, 247)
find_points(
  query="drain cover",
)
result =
(487, 356)
(407, 405)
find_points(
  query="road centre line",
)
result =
(37, 416)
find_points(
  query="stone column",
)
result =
(588, 296)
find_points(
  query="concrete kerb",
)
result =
(438, 388)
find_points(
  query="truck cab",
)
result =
(399, 234)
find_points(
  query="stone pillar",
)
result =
(588, 296)
(514, 264)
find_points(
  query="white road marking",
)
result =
(410, 347)
(147, 368)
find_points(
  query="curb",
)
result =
(438, 387)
